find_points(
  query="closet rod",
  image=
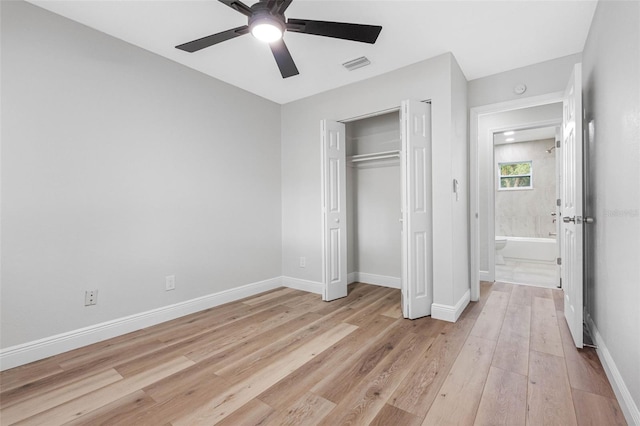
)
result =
(375, 156)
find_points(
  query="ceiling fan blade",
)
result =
(282, 6)
(238, 6)
(283, 59)
(343, 30)
(201, 43)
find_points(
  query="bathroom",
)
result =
(525, 207)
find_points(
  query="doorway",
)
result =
(525, 208)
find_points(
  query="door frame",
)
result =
(474, 176)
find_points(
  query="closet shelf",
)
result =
(374, 156)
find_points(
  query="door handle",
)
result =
(568, 219)
(589, 219)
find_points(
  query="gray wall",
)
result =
(301, 201)
(120, 167)
(540, 79)
(611, 88)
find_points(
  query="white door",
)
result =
(416, 204)
(334, 206)
(571, 203)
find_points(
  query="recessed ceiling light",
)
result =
(509, 140)
(509, 133)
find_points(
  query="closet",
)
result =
(377, 227)
(374, 201)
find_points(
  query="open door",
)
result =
(415, 166)
(334, 208)
(571, 202)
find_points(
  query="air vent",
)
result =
(356, 63)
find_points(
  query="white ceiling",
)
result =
(525, 135)
(486, 37)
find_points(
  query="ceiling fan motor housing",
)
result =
(262, 14)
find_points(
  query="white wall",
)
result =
(301, 202)
(611, 90)
(120, 167)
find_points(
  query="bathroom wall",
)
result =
(527, 212)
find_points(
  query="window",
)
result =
(518, 175)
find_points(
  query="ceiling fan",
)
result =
(268, 23)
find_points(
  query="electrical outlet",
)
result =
(90, 297)
(170, 282)
(303, 262)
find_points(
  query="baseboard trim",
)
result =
(25, 353)
(448, 312)
(627, 404)
(381, 280)
(304, 285)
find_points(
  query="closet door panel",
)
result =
(416, 190)
(334, 215)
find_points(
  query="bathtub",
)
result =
(530, 249)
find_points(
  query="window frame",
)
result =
(515, 188)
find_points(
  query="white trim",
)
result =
(450, 313)
(352, 277)
(39, 349)
(304, 285)
(485, 276)
(474, 195)
(381, 280)
(627, 404)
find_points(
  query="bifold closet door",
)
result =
(417, 292)
(334, 206)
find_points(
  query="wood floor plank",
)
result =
(362, 406)
(418, 391)
(521, 295)
(504, 399)
(390, 415)
(597, 410)
(459, 397)
(124, 411)
(512, 353)
(489, 322)
(244, 367)
(54, 397)
(545, 334)
(583, 365)
(549, 398)
(335, 386)
(25, 374)
(91, 401)
(241, 393)
(309, 409)
(512, 350)
(283, 393)
(254, 412)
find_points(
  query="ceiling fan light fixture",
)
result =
(267, 29)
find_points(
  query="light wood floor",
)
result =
(287, 358)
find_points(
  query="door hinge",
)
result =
(558, 202)
(559, 261)
(557, 144)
